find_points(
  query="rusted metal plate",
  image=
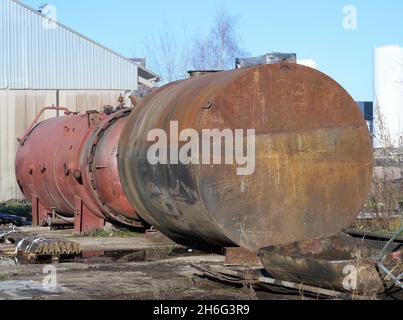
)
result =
(241, 257)
(258, 279)
(339, 263)
(313, 158)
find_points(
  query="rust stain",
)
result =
(313, 159)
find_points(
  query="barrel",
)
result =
(295, 160)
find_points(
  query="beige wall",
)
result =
(17, 110)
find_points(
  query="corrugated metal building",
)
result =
(44, 63)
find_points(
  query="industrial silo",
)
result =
(388, 95)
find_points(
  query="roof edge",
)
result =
(18, 2)
(153, 74)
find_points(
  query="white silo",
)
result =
(388, 95)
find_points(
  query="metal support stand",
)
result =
(84, 219)
(39, 212)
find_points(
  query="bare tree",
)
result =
(167, 55)
(218, 50)
(382, 134)
(386, 198)
(171, 54)
(384, 208)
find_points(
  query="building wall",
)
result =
(17, 110)
(39, 54)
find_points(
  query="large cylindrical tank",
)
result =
(388, 95)
(76, 156)
(313, 158)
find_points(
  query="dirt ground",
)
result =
(119, 268)
(133, 268)
(170, 279)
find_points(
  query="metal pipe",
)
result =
(31, 127)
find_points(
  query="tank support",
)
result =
(84, 219)
(39, 212)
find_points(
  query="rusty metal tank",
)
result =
(313, 158)
(69, 166)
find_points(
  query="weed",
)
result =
(4, 277)
(387, 226)
(116, 232)
(16, 207)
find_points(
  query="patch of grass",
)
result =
(4, 277)
(17, 208)
(117, 232)
(387, 226)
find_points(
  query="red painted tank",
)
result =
(68, 167)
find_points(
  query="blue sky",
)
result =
(311, 28)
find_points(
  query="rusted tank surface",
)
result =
(313, 158)
(75, 157)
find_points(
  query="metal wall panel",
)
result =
(37, 55)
